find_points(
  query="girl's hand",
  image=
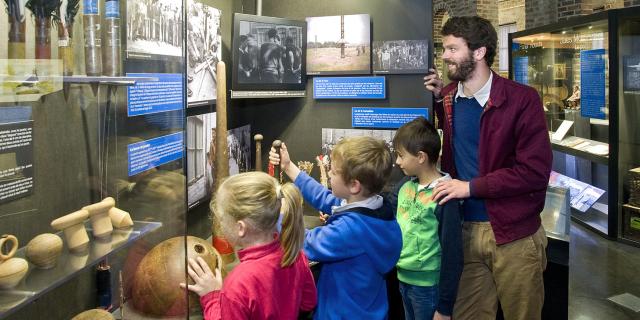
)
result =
(205, 280)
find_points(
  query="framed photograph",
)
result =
(339, 45)
(268, 53)
(331, 136)
(203, 52)
(559, 72)
(401, 57)
(631, 73)
(201, 154)
(154, 29)
(239, 144)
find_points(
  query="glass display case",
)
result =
(92, 175)
(579, 68)
(628, 76)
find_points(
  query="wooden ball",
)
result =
(43, 250)
(156, 284)
(94, 314)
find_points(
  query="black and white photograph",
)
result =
(154, 28)
(269, 53)
(203, 52)
(401, 57)
(201, 153)
(631, 71)
(330, 137)
(339, 45)
(239, 144)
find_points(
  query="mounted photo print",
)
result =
(339, 45)
(401, 57)
(204, 50)
(154, 29)
(268, 53)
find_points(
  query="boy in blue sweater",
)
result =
(361, 240)
(431, 259)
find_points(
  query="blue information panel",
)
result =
(520, 69)
(154, 97)
(142, 156)
(388, 118)
(349, 88)
(592, 84)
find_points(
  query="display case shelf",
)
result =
(568, 145)
(80, 79)
(39, 281)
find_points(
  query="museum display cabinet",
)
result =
(92, 173)
(587, 73)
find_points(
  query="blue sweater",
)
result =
(356, 251)
(466, 129)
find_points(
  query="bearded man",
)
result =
(497, 148)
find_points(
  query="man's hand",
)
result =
(438, 316)
(205, 280)
(433, 83)
(452, 189)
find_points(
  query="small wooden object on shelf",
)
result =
(94, 314)
(12, 270)
(43, 250)
(258, 139)
(74, 232)
(120, 219)
(99, 215)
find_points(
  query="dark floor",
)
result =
(598, 269)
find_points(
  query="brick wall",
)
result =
(512, 11)
(540, 12)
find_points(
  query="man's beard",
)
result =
(463, 69)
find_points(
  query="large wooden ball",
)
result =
(156, 285)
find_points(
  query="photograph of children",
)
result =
(201, 153)
(154, 28)
(269, 53)
(203, 52)
(559, 71)
(239, 144)
(401, 57)
(631, 71)
(339, 45)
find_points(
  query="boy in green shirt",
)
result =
(431, 259)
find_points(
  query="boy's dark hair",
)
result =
(418, 135)
(476, 31)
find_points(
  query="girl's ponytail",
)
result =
(292, 235)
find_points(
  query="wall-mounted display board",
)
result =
(204, 50)
(154, 29)
(268, 56)
(401, 57)
(339, 45)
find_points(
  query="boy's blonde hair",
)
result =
(365, 159)
(255, 197)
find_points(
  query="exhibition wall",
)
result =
(299, 121)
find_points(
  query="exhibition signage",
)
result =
(385, 117)
(16, 153)
(349, 88)
(592, 83)
(154, 97)
(520, 69)
(145, 155)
